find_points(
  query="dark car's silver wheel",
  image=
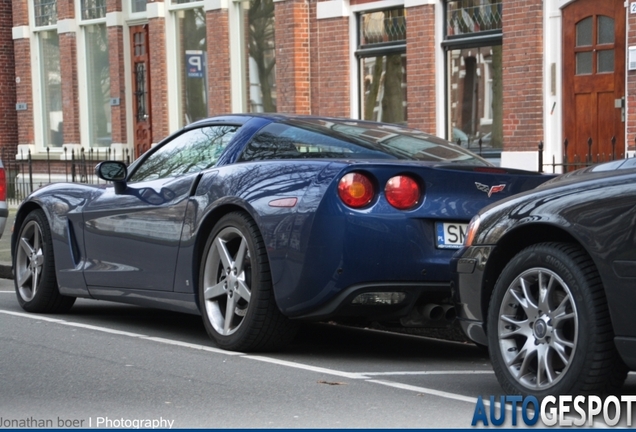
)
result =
(538, 328)
(34, 266)
(548, 325)
(235, 290)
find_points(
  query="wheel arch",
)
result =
(205, 229)
(24, 210)
(510, 245)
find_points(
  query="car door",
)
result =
(132, 238)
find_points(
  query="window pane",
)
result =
(384, 88)
(138, 6)
(605, 30)
(383, 26)
(584, 32)
(584, 63)
(192, 66)
(606, 61)
(52, 120)
(98, 73)
(470, 16)
(315, 138)
(258, 15)
(93, 9)
(45, 12)
(476, 97)
(190, 152)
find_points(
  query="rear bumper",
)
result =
(343, 305)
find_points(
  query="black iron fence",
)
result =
(576, 161)
(24, 173)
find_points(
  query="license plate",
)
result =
(450, 235)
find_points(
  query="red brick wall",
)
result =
(630, 91)
(158, 79)
(330, 66)
(24, 91)
(522, 74)
(292, 56)
(70, 89)
(219, 86)
(420, 68)
(8, 115)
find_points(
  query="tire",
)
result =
(562, 343)
(34, 264)
(235, 275)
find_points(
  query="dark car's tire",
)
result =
(235, 275)
(34, 266)
(561, 344)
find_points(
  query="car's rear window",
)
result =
(338, 139)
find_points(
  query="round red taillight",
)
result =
(402, 192)
(355, 190)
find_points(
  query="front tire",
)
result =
(35, 280)
(549, 330)
(235, 289)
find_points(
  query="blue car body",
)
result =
(144, 245)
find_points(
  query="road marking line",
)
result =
(459, 372)
(306, 367)
(350, 375)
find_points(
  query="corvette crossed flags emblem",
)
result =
(490, 189)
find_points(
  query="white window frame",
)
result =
(37, 88)
(82, 76)
(172, 51)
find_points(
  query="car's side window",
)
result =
(192, 151)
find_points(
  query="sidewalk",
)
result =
(5, 247)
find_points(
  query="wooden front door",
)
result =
(594, 80)
(141, 88)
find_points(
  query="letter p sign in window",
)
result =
(195, 64)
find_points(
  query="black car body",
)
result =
(547, 279)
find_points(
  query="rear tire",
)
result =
(549, 330)
(35, 280)
(235, 289)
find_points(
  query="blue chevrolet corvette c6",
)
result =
(257, 222)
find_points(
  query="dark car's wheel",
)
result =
(235, 289)
(549, 330)
(34, 266)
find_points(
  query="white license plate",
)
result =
(450, 235)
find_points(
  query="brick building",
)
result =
(120, 75)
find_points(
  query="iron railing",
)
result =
(24, 173)
(579, 161)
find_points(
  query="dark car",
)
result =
(547, 281)
(257, 221)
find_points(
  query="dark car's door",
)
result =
(132, 238)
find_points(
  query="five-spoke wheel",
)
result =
(235, 289)
(34, 266)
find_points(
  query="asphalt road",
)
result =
(106, 362)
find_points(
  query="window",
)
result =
(602, 52)
(332, 139)
(137, 6)
(97, 71)
(382, 62)
(192, 64)
(190, 152)
(258, 65)
(474, 69)
(48, 47)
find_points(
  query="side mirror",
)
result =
(114, 171)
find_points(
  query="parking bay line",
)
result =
(285, 363)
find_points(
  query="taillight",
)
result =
(356, 190)
(3, 185)
(402, 192)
